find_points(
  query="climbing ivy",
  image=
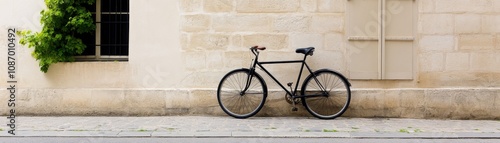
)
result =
(58, 41)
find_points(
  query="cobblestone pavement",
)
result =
(202, 126)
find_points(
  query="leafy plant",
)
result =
(58, 41)
(142, 130)
(333, 130)
(404, 131)
(417, 131)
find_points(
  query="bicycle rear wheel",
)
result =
(236, 102)
(327, 94)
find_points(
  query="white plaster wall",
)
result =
(154, 62)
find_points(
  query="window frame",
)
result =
(98, 35)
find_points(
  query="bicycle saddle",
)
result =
(307, 51)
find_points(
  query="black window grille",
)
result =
(111, 39)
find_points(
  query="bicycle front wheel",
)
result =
(327, 94)
(236, 99)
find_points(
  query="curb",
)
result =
(352, 135)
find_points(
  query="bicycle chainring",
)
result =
(289, 99)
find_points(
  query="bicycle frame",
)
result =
(292, 93)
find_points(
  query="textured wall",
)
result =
(179, 50)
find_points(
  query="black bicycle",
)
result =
(325, 93)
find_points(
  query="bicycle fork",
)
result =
(249, 77)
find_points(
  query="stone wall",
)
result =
(449, 103)
(459, 43)
(179, 50)
(216, 35)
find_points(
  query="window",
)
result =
(111, 38)
(381, 34)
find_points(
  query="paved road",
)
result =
(256, 127)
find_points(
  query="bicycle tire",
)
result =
(231, 99)
(332, 105)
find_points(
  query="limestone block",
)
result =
(335, 6)
(497, 102)
(468, 23)
(218, 6)
(367, 99)
(237, 59)
(440, 99)
(418, 113)
(108, 99)
(325, 23)
(461, 6)
(214, 59)
(496, 5)
(76, 99)
(306, 40)
(241, 23)
(474, 104)
(235, 43)
(6, 98)
(483, 100)
(476, 42)
(497, 42)
(440, 43)
(195, 23)
(206, 41)
(267, 6)
(431, 62)
(145, 99)
(426, 6)
(195, 60)
(436, 24)
(191, 5)
(149, 111)
(490, 24)
(445, 5)
(335, 42)
(457, 61)
(328, 59)
(184, 40)
(291, 23)
(42, 98)
(412, 98)
(177, 99)
(23, 94)
(204, 98)
(485, 62)
(271, 41)
(392, 99)
(446, 79)
(308, 5)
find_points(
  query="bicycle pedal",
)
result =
(289, 84)
(295, 109)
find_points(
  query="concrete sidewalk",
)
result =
(255, 127)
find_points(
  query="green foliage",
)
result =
(58, 41)
(404, 131)
(332, 130)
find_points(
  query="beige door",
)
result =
(381, 34)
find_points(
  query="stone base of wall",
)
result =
(481, 103)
